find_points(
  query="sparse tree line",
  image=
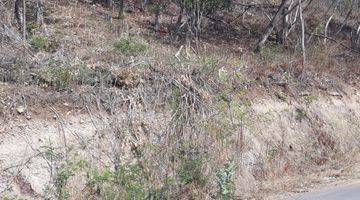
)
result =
(287, 20)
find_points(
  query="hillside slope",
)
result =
(96, 107)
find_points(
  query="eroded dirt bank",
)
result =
(278, 142)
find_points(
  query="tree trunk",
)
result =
(282, 34)
(355, 38)
(270, 27)
(40, 12)
(157, 18)
(144, 4)
(302, 31)
(17, 13)
(109, 3)
(24, 20)
(121, 9)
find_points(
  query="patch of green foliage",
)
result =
(59, 77)
(63, 77)
(272, 152)
(190, 171)
(210, 66)
(127, 182)
(31, 26)
(38, 43)
(68, 170)
(271, 50)
(225, 180)
(309, 99)
(300, 114)
(190, 168)
(155, 8)
(130, 45)
(84, 75)
(207, 7)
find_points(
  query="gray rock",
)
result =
(335, 94)
(304, 93)
(21, 109)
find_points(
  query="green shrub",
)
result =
(61, 180)
(154, 8)
(164, 192)
(38, 43)
(190, 171)
(271, 50)
(127, 182)
(84, 75)
(272, 153)
(31, 26)
(309, 99)
(68, 170)
(58, 77)
(210, 66)
(130, 45)
(207, 7)
(225, 180)
(300, 114)
(62, 78)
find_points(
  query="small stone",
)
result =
(282, 83)
(335, 94)
(20, 109)
(304, 93)
(55, 117)
(28, 117)
(81, 121)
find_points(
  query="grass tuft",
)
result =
(130, 45)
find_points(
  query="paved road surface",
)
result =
(347, 192)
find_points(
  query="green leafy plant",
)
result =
(62, 178)
(130, 45)
(127, 182)
(207, 7)
(309, 99)
(31, 26)
(225, 180)
(300, 114)
(190, 171)
(38, 43)
(272, 152)
(60, 78)
(50, 153)
(210, 66)
(165, 192)
(271, 50)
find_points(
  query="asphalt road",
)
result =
(346, 192)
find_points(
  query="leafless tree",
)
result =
(40, 12)
(273, 23)
(24, 20)
(302, 31)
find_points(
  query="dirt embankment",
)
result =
(279, 139)
(98, 107)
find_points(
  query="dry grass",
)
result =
(170, 121)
